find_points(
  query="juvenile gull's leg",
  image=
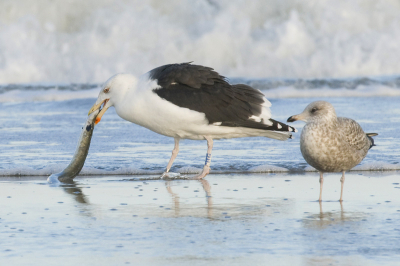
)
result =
(175, 152)
(341, 190)
(321, 213)
(206, 168)
(342, 217)
(321, 182)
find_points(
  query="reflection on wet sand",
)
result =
(225, 202)
(323, 219)
(71, 188)
(249, 217)
(207, 189)
(175, 197)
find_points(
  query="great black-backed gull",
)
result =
(330, 143)
(186, 101)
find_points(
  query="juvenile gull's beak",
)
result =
(295, 118)
(96, 107)
(290, 119)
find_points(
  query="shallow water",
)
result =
(121, 213)
(39, 138)
(237, 219)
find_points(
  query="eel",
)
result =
(82, 150)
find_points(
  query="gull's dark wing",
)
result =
(203, 90)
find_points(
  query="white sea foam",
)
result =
(56, 168)
(88, 41)
(32, 94)
(190, 170)
(310, 169)
(53, 179)
(26, 95)
(370, 166)
(267, 168)
(361, 91)
(90, 171)
(376, 166)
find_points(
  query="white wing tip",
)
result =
(255, 118)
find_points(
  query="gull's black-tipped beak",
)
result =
(292, 118)
(299, 117)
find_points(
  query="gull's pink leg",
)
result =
(321, 182)
(341, 191)
(175, 152)
(206, 168)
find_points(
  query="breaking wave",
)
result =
(88, 41)
(272, 88)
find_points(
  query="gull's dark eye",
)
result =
(314, 110)
(106, 90)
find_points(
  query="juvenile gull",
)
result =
(187, 101)
(330, 143)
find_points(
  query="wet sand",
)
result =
(235, 219)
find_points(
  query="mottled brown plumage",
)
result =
(330, 143)
(334, 145)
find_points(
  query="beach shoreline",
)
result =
(224, 219)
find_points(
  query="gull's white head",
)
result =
(112, 92)
(316, 111)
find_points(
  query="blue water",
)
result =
(54, 55)
(39, 138)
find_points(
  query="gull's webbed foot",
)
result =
(206, 171)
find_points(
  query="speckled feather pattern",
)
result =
(333, 144)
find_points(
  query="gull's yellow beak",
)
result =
(96, 107)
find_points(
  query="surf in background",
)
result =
(88, 41)
(272, 88)
(54, 55)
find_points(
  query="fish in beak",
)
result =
(97, 106)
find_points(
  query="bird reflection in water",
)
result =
(329, 215)
(323, 219)
(175, 197)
